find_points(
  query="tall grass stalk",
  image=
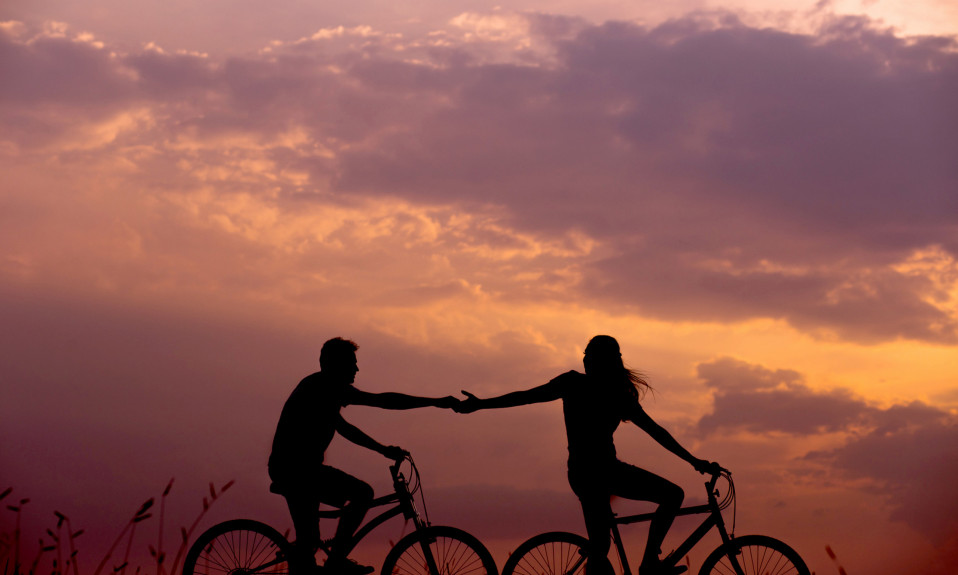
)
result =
(5, 544)
(18, 509)
(71, 536)
(140, 515)
(185, 534)
(64, 539)
(158, 554)
(834, 557)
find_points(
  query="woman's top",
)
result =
(592, 411)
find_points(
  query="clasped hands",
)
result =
(468, 405)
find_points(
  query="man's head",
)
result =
(337, 360)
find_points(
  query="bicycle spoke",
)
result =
(554, 555)
(238, 547)
(447, 550)
(756, 560)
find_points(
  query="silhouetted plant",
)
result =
(186, 533)
(63, 539)
(5, 543)
(841, 570)
(18, 509)
(140, 515)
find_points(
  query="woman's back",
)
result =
(592, 409)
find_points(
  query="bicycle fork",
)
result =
(673, 558)
(431, 564)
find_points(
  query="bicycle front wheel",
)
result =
(554, 553)
(238, 547)
(439, 551)
(754, 555)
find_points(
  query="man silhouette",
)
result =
(310, 419)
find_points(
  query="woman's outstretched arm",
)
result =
(543, 393)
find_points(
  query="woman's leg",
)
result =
(597, 511)
(633, 482)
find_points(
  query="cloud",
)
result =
(906, 453)
(477, 201)
(911, 464)
(758, 400)
(700, 170)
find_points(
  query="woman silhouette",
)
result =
(593, 404)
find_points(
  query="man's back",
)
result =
(306, 426)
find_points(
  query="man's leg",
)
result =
(304, 511)
(354, 497)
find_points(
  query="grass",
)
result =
(61, 539)
(834, 558)
(57, 552)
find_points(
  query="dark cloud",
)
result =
(912, 465)
(52, 70)
(737, 172)
(849, 299)
(728, 172)
(908, 453)
(759, 400)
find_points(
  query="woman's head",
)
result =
(602, 356)
(603, 359)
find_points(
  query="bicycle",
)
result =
(562, 553)
(250, 547)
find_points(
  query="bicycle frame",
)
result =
(404, 505)
(714, 519)
(250, 547)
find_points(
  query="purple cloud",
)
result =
(759, 400)
(726, 172)
(912, 465)
(906, 452)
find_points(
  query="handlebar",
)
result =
(398, 461)
(729, 496)
(408, 487)
(412, 482)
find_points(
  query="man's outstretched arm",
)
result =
(394, 400)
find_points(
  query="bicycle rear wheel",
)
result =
(238, 547)
(554, 553)
(439, 551)
(754, 555)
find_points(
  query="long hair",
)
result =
(638, 382)
(605, 350)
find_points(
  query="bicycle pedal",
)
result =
(324, 544)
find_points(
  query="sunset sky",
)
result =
(758, 199)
